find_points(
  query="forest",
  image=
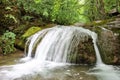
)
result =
(78, 32)
(19, 15)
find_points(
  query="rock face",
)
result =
(109, 42)
(85, 53)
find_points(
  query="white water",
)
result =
(56, 44)
(53, 46)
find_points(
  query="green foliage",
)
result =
(94, 9)
(4, 1)
(8, 8)
(59, 11)
(110, 4)
(100, 9)
(26, 18)
(7, 2)
(11, 17)
(7, 42)
(65, 11)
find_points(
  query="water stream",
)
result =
(50, 58)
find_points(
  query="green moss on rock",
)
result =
(31, 31)
(20, 43)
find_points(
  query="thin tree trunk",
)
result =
(118, 5)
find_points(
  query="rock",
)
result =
(115, 59)
(106, 45)
(20, 43)
(113, 11)
(109, 42)
(84, 54)
(31, 31)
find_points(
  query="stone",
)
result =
(85, 53)
(109, 42)
(31, 31)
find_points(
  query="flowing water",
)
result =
(49, 62)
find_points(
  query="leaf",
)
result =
(37, 1)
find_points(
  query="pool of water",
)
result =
(8, 70)
(12, 69)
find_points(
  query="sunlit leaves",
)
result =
(37, 1)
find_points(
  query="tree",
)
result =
(58, 11)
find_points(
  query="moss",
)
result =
(20, 43)
(31, 31)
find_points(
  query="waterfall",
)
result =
(51, 48)
(56, 43)
(99, 60)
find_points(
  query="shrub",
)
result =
(7, 42)
(58, 11)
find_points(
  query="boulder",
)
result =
(84, 52)
(20, 43)
(109, 42)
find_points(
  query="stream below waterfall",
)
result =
(49, 62)
(58, 72)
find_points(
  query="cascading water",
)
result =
(51, 48)
(57, 43)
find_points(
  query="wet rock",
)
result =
(20, 43)
(109, 42)
(84, 53)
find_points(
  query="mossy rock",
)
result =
(109, 43)
(20, 43)
(31, 31)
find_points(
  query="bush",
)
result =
(7, 42)
(58, 11)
